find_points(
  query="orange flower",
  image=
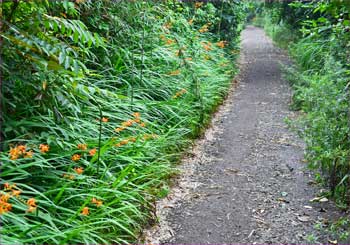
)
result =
(31, 209)
(121, 143)
(85, 211)
(190, 21)
(119, 129)
(92, 152)
(7, 185)
(5, 207)
(206, 46)
(97, 202)
(137, 114)
(79, 170)
(104, 119)
(142, 125)
(16, 193)
(28, 154)
(179, 93)
(31, 202)
(174, 73)
(221, 44)
(198, 5)
(82, 147)
(76, 157)
(189, 59)
(21, 149)
(169, 41)
(14, 153)
(127, 123)
(4, 198)
(204, 28)
(44, 148)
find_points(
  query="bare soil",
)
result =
(246, 181)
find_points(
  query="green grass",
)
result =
(125, 58)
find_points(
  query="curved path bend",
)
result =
(247, 183)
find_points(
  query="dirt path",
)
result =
(246, 182)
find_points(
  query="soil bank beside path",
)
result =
(246, 181)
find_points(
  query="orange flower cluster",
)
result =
(121, 143)
(4, 205)
(197, 5)
(97, 202)
(130, 122)
(79, 170)
(92, 152)
(76, 157)
(20, 151)
(180, 93)
(82, 147)
(31, 205)
(206, 45)
(174, 73)
(44, 148)
(204, 28)
(169, 41)
(85, 211)
(221, 44)
(104, 119)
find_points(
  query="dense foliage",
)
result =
(99, 99)
(318, 36)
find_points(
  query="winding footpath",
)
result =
(246, 181)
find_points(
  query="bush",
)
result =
(320, 82)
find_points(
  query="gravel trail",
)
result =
(246, 181)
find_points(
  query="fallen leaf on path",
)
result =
(304, 218)
(231, 170)
(319, 199)
(168, 206)
(312, 182)
(315, 199)
(333, 241)
(282, 200)
(308, 207)
(324, 199)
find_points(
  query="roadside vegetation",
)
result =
(99, 100)
(317, 35)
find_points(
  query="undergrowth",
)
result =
(316, 33)
(99, 100)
